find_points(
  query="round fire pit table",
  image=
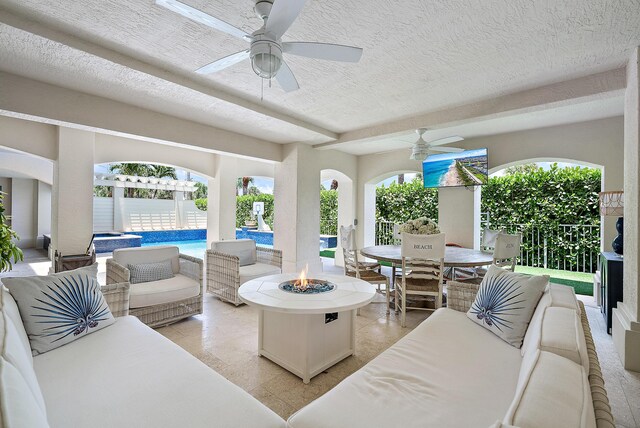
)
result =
(306, 332)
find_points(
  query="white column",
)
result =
(44, 212)
(221, 201)
(24, 211)
(118, 207)
(346, 213)
(459, 215)
(297, 209)
(366, 228)
(626, 328)
(72, 213)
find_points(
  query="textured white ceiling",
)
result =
(419, 56)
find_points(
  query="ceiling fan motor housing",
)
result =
(266, 58)
(263, 8)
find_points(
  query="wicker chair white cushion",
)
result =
(447, 372)
(553, 392)
(147, 272)
(126, 256)
(244, 249)
(19, 406)
(505, 303)
(143, 380)
(256, 270)
(174, 289)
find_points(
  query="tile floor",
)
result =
(225, 338)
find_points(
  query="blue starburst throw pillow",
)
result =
(60, 308)
(505, 303)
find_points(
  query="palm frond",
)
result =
(498, 299)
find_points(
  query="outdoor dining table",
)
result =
(454, 257)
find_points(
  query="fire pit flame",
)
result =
(302, 283)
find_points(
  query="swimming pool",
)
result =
(194, 247)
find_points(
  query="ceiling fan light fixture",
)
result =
(420, 152)
(266, 59)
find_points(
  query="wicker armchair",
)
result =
(117, 298)
(156, 315)
(232, 263)
(460, 297)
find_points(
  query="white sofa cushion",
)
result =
(10, 309)
(563, 296)
(553, 392)
(179, 287)
(447, 372)
(128, 375)
(505, 303)
(562, 334)
(59, 308)
(256, 270)
(18, 407)
(126, 256)
(244, 249)
(531, 341)
(12, 350)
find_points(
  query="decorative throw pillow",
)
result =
(505, 303)
(60, 308)
(147, 272)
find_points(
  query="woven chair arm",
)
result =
(117, 297)
(460, 295)
(191, 267)
(222, 261)
(602, 409)
(117, 273)
(269, 256)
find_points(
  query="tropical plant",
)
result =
(145, 170)
(244, 208)
(328, 212)
(201, 204)
(201, 191)
(102, 191)
(243, 183)
(8, 249)
(253, 190)
(130, 168)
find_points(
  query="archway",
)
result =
(553, 203)
(329, 230)
(26, 181)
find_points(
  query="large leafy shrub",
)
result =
(8, 249)
(328, 212)
(244, 208)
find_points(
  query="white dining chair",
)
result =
(422, 272)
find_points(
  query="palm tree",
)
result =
(243, 183)
(161, 171)
(400, 178)
(137, 169)
(334, 185)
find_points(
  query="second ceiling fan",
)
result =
(266, 45)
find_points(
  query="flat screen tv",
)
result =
(468, 168)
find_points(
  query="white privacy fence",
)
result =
(127, 214)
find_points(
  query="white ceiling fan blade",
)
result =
(446, 149)
(446, 140)
(282, 15)
(286, 79)
(201, 17)
(223, 63)
(325, 51)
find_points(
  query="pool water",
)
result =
(192, 247)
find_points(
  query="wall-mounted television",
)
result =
(467, 168)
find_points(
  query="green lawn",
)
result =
(581, 282)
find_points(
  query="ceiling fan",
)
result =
(266, 45)
(422, 149)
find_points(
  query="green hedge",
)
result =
(244, 207)
(328, 212)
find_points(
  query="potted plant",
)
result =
(8, 249)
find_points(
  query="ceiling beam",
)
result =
(597, 86)
(33, 100)
(179, 77)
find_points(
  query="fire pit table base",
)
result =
(306, 344)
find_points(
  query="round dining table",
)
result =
(454, 257)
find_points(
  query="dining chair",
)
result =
(507, 250)
(366, 271)
(422, 272)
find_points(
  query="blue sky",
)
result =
(449, 156)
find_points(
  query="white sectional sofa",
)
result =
(125, 375)
(452, 372)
